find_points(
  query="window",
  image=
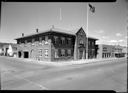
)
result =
(80, 33)
(55, 38)
(29, 40)
(36, 38)
(69, 52)
(102, 55)
(40, 39)
(22, 41)
(33, 40)
(81, 41)
(88, 43)
(46, 39)
(104, 49)
(62, 52)
(25, 41)
(92, 43)
(46, 53)
(56, 53)
(40, 52)
(62, 40)
(19, 42)
(68, 41)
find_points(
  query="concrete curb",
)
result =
(85, 61)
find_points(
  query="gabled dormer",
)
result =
(81, 37)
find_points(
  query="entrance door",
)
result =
(26, 54)
(19, 54)
(80, 53)
(6, 52)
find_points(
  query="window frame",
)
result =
(62, 52)
(69, 53)
(46, 53)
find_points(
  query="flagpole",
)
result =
(60, 15)
(87, 35)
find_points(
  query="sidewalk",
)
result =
(73, 62)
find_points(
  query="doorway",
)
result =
(80, 53)
(19, 54)
(26, 54)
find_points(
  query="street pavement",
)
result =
(104, 75)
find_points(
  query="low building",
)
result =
(56, 44)
(109, 51)
(125, 51)
(2, 48)
(106, 51)
(1, 51)
(120, 51)
(10, 49)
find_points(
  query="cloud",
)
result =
(104, 37)
(118, 34)
(99, 31)
(126, 37)
(101, 41)
(121, 40)
(113, 41)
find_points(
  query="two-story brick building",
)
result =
(119, 51)
(106, 51)
(56, 44)
(110, 51)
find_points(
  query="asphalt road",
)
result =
(18, 75)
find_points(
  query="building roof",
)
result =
(70, 32)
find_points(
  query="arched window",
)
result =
(81, 41)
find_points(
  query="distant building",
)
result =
(56, 44)
(125, 51)
(120, 51)
(1, 51)
(109, 51)
(10, 49)
(1, 48)
(105, 51)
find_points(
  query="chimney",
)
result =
(52, 26)
(22, 34)
(37, 30)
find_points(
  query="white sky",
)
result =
(108, 23)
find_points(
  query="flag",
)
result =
(92, 8)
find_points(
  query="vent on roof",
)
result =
(22, 34)
(37, 30)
